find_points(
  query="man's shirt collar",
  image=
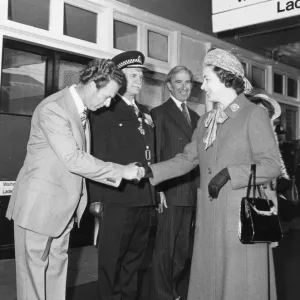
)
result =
(128, 102)
(78, 102)
(177, 102)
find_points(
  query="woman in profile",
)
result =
(228, 139)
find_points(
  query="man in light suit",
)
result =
(50, 191)
(174, 126)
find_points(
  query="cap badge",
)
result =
(234, 107)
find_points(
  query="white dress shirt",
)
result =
(178, 103)
(78, 101)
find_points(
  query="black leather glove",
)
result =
(217, 182)
(283, 184)
(148, 171)
(96, 209)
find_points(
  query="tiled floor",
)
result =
(82, 269)
(83, 272)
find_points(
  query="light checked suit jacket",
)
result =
(51, 187)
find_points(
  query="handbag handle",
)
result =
(252, 177)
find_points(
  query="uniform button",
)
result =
(148, 162)
(209, 170)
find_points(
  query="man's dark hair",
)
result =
(101, 71)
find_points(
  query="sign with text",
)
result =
(232, 14)
(6, 187)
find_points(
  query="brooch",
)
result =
(234, 107)
(148, 120)
(141, 128)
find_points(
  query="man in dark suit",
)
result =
(174, 126)
(127, 131)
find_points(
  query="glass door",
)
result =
(29, 74)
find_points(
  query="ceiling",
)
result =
(277, 40)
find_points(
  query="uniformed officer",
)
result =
(122, 134)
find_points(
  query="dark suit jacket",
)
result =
(172, 134)
(116, 138)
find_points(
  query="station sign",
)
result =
(232, 14)
(6, 187)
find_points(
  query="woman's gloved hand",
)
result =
(217, 182)
(96, 209)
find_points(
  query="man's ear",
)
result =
(91, 85)
(169, 86)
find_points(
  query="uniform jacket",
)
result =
(116, 138)
(222, 267)
(50, 186)
(172, 134)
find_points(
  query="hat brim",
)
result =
(274, 103)
(137, 66)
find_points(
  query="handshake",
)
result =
(136, 171)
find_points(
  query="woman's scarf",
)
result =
(214, 117)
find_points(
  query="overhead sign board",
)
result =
(6, 187)
(232, 14)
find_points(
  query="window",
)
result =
(31, 73)
(157, 46)
(258, 78)
(288, 120)
(197, 99)
(244, 67)
(292, 88)
(278, 83)
(153, 92)
(80, 23)
(125, 36)
(23, 81)
(30, 12)
(68, 73)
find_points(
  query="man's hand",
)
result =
(141, 172)
(217, 182)
(132, 171)
(163, 203)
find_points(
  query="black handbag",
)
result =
(291, 193)
(259, 222)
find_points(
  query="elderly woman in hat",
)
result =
(272, 189)
(227, 140)
(274, 111)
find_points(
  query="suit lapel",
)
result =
(71, 107)
(175, 113)
(88, 136)
(122, 111)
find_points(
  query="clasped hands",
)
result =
(133, 171)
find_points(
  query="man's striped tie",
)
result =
(83, 117)
(186, 113)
